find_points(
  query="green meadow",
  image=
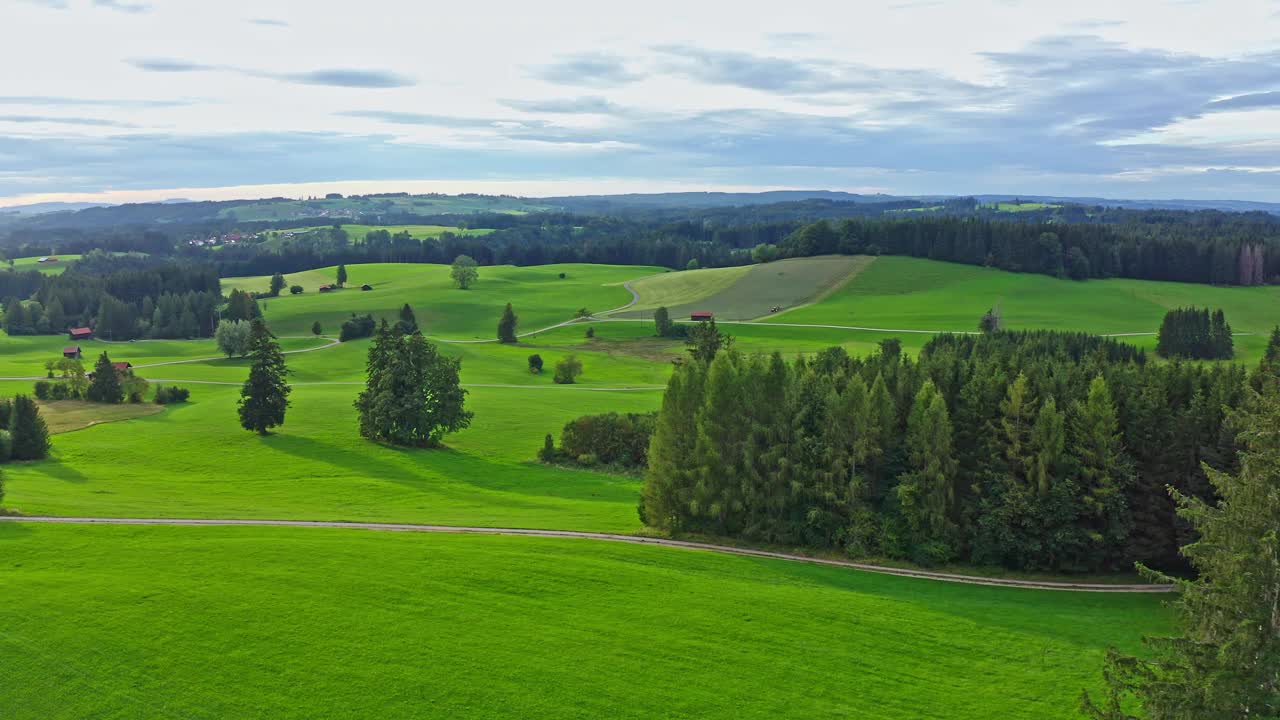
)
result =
(357, 232)
(151, 622)
(160, 621)
(49, 268)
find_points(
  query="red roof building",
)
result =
(701, 316)
(71, 351)
(81, 333)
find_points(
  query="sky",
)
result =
(137, 100)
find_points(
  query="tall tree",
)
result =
(705, 340)
(29, 436)
(264, 397)
(412, 395)
(105, 387)
(277, 284)
(408, 323)
(464, 271)
(1226, 664)
(662, 322)
(507, 325)
(342, 275)
(927, 490)
(1104, 470)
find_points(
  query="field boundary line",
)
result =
(609, 537)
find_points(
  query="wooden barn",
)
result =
(71, 352)
(701, 316)
(81, 333)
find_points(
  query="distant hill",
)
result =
(48, 207)
(604, 203)
(1227, 205)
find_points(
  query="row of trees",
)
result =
(1195, 333)
(1030, 450)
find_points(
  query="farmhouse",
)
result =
(81, 333)
(326, 288)
(701, 315)
(122, 369)
(71, 352)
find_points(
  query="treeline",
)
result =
(1250, 255)
(121, 298)
(1195, 333)
(1030, 450)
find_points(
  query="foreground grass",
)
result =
(117, 622)
(194, 460)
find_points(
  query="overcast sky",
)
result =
(126, 100)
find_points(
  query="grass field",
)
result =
(48, 268)
(400, 205)
(745, 293)
(422, 232)
(540, 297)
(115, 622)
(66, 415)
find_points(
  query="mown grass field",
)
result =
(540, 297)
(744, 293)
(356, 232)
(62, 416)
(119, 622)
(48, 268)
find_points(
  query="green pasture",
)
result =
(540, 297)
(48, 268)
(1022, 207)
(26, 355)
(744, 293)
(214, 622)
(341, 208)
(911, 293)
(357, 232)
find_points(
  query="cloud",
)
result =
(589, 70)
(329, 77)
(123, 6)
(585, 105)
(92, 122)
(268, 22)
(56, 101)
(1247, 101)
(170, 65)
(53, 4)
(422, 119)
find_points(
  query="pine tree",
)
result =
(408, 324)
(1226, 665)
(264, 397)
(105, 387)
(507, 325)
(1103, 469)
(1267, 377)
(927, 490)
(29, 436)
(342, 275)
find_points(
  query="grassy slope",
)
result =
(357, 232)
(32, 263)
(287, 623)
(540, 297)
(26, 355)
(900, 292)
(737, 294)
(194, 460)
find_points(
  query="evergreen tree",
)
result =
(927, 490)
(277, 284)
(264, 397)
(662, 322)
(316, 329)
(1226, 665)
(28, 434)
(666, 499)
(1267, 376)
(507, 325)
(105, 386)
(705, 340)
(1048, 446)
(56, 316)
(408, 324)
(1103, 470)
(342, 275)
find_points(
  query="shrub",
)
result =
(170, 395)
(43, 389)
(60, 391)
(135, 388)
(562, 276)
(357, 327)
(535, 364)
(295, 289)
(582, 313)
(568, 370)
(548, 453)
(591, 332)
(610, 438)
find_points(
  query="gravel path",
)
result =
(609, 537)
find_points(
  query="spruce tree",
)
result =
(408, 324)
(29, 436)
(507, 325)
(1226, 663)
(105, 387)
(927, 490)
(705, 340)
(1103, 469)
(342, 275)
(1048, 445)
(666, 498)
(264, 397)
(1267, 376)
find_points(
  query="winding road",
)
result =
(607, 537)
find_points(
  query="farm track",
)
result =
(607, 537)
